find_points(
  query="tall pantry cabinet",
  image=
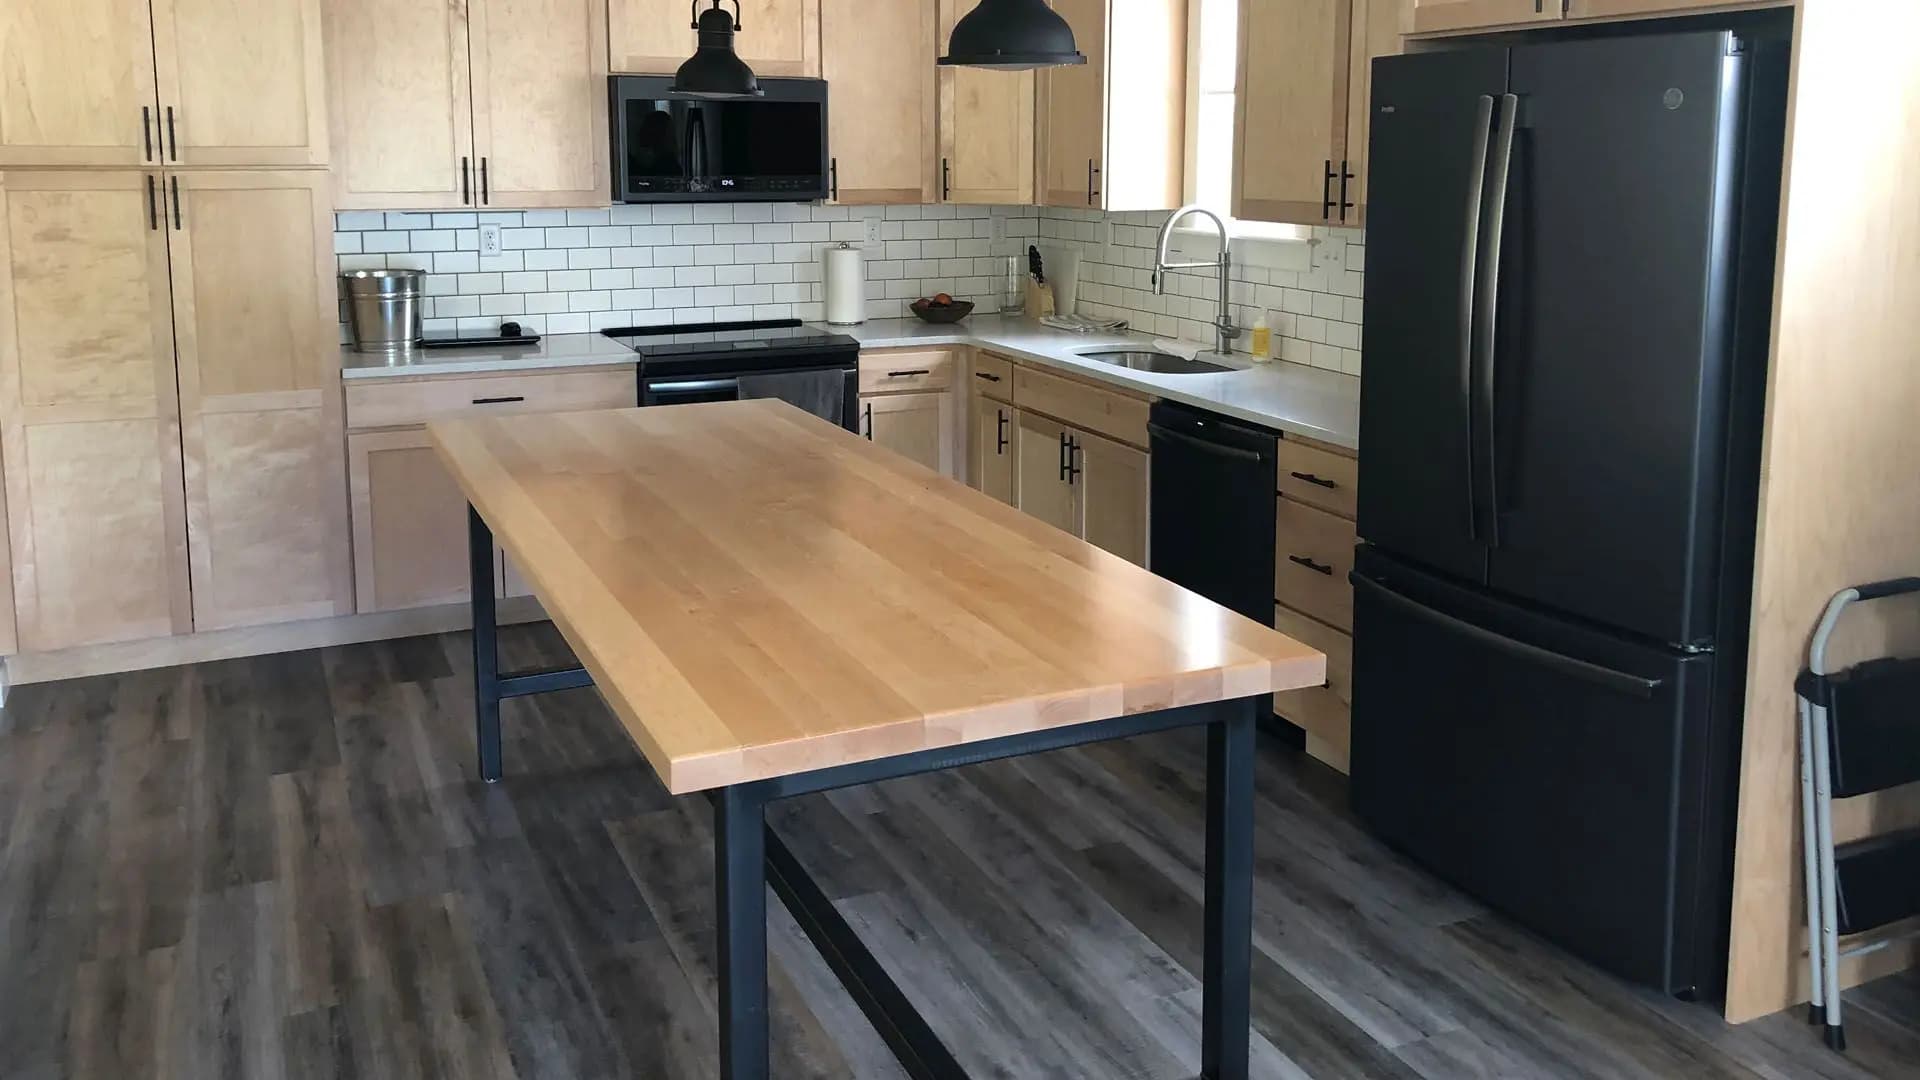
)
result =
(170, 420)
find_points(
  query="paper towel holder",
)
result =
(844, 297)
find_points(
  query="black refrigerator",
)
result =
(1569, 286)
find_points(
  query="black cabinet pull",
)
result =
(153, 205)
(466, 182)
(1073, 459)
(946, 179)
(1000, 432)
(833, 178)
(989, 376)
(146, 130)
(1063, 455)
(1318, 568)
(173, 182)
(484, 200)
(1346, 175)
(499, 400)
(1093, 193)
(869, 421)
(910, 371)
(1326, 192)
(1316, 481)
(173, 137)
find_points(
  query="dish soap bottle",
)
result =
(1262, 343)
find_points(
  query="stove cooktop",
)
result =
(719, 340)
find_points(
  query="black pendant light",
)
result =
(1012, 35)
(715, 70)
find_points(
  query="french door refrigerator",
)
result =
(1569, 286)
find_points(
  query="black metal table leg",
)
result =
(486, 646)
(1226, 1010)
(740, 882)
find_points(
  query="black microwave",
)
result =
(670, 147)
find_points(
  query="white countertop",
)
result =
(1323, 405)
(1293, 398)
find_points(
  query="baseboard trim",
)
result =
(255, 641)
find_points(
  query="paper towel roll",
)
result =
(846, 278)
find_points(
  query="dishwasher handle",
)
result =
(1205, 446)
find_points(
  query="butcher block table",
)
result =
(773, 606)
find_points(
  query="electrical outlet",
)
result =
(1329, 254)
(489, 239)
(873, 230)
(997, 232)
(1106, 240)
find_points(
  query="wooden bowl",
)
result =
(950, 313)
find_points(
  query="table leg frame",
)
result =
(748, 856)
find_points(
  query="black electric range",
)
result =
(704, 361)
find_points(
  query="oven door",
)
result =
(668, 390)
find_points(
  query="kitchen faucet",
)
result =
(1223, 329)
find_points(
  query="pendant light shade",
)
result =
(715, 70)
(1012, 35)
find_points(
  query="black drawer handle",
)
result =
(987, 376)
(499, 400)
(1318, 568)
(1314, 480)
(904, 374)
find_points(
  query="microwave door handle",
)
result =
(696, 142)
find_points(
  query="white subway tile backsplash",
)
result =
(544, 259)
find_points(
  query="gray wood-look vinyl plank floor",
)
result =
(282, 867)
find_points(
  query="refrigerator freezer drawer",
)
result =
(1540, 766)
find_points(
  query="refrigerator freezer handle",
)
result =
(1619, 682)
(1486, 489)
(1469, 292)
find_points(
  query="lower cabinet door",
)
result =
(409, 523)
(917, 426)
(1110, 484)
(1041, 487)
(993, 448)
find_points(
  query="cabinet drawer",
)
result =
(1311, 565)
(888, 370)
(383, 403)
(1324, 712)
(1319, 477)
(993, 377)
(1117, 416)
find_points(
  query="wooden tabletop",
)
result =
(757, 593)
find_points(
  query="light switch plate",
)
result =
(997, 232)
(873, 230)
(489, 239)
(1329, 254)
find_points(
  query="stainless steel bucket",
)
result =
(384, 309)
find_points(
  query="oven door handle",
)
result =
(692, 386)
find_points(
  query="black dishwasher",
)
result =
(1211, 527)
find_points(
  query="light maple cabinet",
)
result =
(1040, 464)
(169, 419)
(1433, 15)
(1112, 131)
(882, 127)
(1313, 601)
(920, 426)
(1110, 486)
(498, 103)
(1302, 104)
(188, 82)
(986, 128)
(776, 37)
(260, 411)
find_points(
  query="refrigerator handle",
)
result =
(1620, 682)
(1469, 279)
(1485, 489)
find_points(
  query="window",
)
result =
(1212, 64)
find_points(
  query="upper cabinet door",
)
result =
(882, 123)
(253, 301)
(776, 37)
(242, 82)
(1431, 15)
(399, 104)
(1074, 112)
(89, 413)
(986, 128)
(77, 83)
(539, 70)
(1378, 27)
(1291, 110)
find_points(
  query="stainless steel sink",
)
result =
(1152, 360)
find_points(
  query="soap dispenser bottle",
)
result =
(1262, 343)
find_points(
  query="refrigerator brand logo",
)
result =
(1386, 108)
